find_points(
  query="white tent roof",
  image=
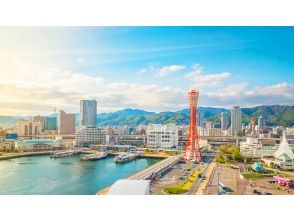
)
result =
(284, 148)
(130, 187)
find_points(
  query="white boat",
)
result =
(124, 158)
(95, 156)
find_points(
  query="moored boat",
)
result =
(95, 156)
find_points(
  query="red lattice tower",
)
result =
(192, 149)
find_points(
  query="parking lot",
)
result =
(175, 176)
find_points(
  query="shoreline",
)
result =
(17, 155)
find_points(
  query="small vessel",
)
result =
(60, 154)
(95, 156)
(122, 158)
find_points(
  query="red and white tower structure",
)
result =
(192, 149)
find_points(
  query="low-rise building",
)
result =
(7, 144)
(86, 136)
(253, 148)
(284, 156)
(114, 148)
(38, 145)
(162, 136)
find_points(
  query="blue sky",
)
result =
(151, 68)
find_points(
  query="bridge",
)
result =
(156, 169)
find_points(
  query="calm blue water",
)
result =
(40, 175)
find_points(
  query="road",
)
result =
(204, 169)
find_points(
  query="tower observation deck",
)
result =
(192, 148)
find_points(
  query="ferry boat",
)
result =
(95, 156)
(60, 154)
(125, 158)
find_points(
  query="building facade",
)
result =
(50, 123)
(200, 119)
(66, 123)
(236, 121)
(88, 113)
(28, 127)
(224, 121)
(87, 136)
(162, 136)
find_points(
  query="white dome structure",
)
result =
(284, 152)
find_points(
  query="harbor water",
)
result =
(40, 175)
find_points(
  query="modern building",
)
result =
(114, 148)
(66, 123)
(236, 121)
(214, 132)
(260, 123)
(284, 156)
(28, 127)
(162, 136)
(200, 119)
(224, 121)
(136, 140)
(41, 119)
(208, 124)
(88, 113)
(87, 136)
(38, 145)
(50, 123)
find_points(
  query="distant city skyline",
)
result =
(150, 68)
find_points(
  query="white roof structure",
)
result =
(130, 187)
(284, 150)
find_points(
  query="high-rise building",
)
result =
(28, 127)
(50, 123)
(41, 119)
(260, 122)
(66, 123)
(236, 120)
(88, 113)
(209, 124)
(224, 121)
(200, 119)
(162, 136)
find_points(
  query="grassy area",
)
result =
(182, 188)
(254, 175)
(228, 154)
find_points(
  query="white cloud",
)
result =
(196, 70)
(33, 85)
(166, 70)
(206, 80)
(142, 71)
(238, 94)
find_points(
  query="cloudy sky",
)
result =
(149, 68)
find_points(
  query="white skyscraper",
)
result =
(88, 113)
(224, 121)
(236, 120)
(200, 119)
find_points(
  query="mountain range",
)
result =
(274, 115)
